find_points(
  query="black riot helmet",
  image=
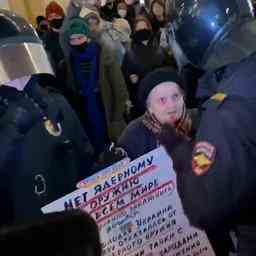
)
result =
(211, 33)
(21, 51)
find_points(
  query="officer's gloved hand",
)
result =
(178, 147)
(21, 114)
(170, 138)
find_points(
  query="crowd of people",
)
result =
(129, 76)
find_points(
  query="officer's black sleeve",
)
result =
(207, 198)
(129, 142)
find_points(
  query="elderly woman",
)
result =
(162, 99)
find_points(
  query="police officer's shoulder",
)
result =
(216, 101)
(57, 98)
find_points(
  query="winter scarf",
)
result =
(85, 67)
(183, 126)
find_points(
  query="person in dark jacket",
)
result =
(158, 17)
(217, 182)
(55, 16)
(44, 150)
(136, 63)
(69, 233)
(42, 26)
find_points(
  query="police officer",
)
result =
(43, 149)
(217, 183)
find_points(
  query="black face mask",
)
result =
(56, 23)
(80, 48)
(44, 27)
(142, 35)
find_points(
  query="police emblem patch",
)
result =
(219, 96)
(203, 157)
(53, 129)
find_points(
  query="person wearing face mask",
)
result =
(161, 95)
(97, 84)
(144, 56)
(55, 16)
(101, 31)
(122, 11)
(42, 26)
(84, 62)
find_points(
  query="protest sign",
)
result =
(137, 209)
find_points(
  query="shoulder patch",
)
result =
(215, 101)
(203, 157)
(219, 97)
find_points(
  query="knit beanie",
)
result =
(54, 7)
(78, 26)
(151, 80)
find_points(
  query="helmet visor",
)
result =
(198, 24)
